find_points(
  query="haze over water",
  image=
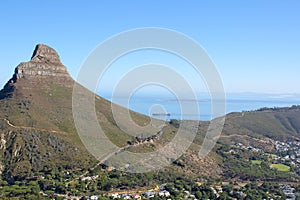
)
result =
(168, 107)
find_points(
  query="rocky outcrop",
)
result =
(45, 54)
(44, 66)
(45, 62)
(2, 142)
(40, 70)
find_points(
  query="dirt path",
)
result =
(144, 141)
(32, 128)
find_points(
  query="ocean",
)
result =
(168, 107)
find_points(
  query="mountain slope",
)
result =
(38, 134)
(37, 122)
(276, 123)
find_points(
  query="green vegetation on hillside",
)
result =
(256, 162)
(41, 153)
(281, 167)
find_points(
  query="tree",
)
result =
(198, 194)
(224, 196)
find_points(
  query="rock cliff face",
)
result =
(44, 66)
(45, 62)
(44, 53)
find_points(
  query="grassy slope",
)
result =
(279, 124)
(36, 110)
(48, 106)
(281, 167)
(44, 133)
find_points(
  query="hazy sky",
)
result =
(254, 44)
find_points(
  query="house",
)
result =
(149, 194)
(288, 192)
(219, 188)
(126, 196)
(116, 196)
(136, 196)
(164, 193)
(94, 197)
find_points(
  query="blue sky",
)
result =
(254, 44)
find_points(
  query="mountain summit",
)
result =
(45, 62)
(44, 53)
(43, 69)
(37, 130)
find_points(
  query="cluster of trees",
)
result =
(238, 164)
(60, 182)
(25, 190)
(178, 188)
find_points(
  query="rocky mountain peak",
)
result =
(44, 68)
(44, 63)
(44, 53)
